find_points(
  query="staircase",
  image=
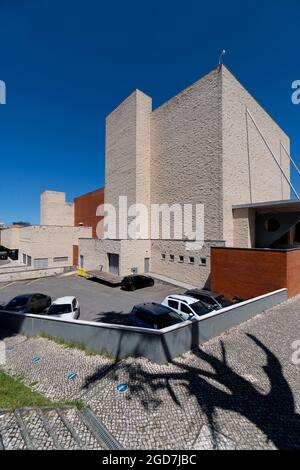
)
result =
(53, 428)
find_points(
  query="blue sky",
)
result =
(68, 63)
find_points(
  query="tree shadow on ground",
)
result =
(113, 317)
(273, 413)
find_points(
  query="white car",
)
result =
(187, 307)
(65, 307)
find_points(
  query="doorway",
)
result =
(113, 263)
(146, 265)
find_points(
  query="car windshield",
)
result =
(200, 309)
(55, 309)
(224, 301)
(19, 301)
(168, 319)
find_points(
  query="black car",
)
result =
(136, 281)
(153, 315)
(3, 253)
(28, 303)
(213, 299)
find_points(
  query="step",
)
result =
(48, 428)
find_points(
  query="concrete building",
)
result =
(211, 144)
(54, 243)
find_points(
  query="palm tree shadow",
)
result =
(220, 387)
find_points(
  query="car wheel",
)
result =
(77, 314)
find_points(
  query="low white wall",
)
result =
(24, 274)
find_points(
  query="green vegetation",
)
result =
(79, 346)
(14, 394)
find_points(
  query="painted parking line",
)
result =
(7, 285)
(32, 282)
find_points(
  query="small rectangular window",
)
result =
(173, 304)
(171, 257)
(163, 256)
(192, 259)
(203, 261)
(181, 259)
(61, 259)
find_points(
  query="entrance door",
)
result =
(146, 265)
(113, 262)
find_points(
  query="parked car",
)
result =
(136, 281)
(3, 253)
(187, 307)
(28, 303)
(153, 315)
(65, 307)
(215, 300)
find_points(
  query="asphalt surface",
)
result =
(98, 302)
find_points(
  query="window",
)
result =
(163, 256)
(24, 259)
(171, 257)
(61, 259)
(181, 259)
(272, 225)
(28, 260)
(40, 263)
(173, 304)
(297, 233)
(192, 259)
(203, 261)
(81, 261)
(185, 309)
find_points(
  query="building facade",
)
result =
(206, 145)
(54, 243)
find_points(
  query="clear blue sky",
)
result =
(68, 63)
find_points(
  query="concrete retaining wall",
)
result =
(122, 341)
(22, 274)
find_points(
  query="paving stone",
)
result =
(242, 384)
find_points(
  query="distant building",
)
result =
(55, 242)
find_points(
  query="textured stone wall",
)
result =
(244, 228)
(196, 273)
(55, 210)
(186, 158)
(10, 238)
(131, 252)
(128, 151)
(51, 242)
(250, 173)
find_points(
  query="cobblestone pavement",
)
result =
(46, 429)
(240, 390)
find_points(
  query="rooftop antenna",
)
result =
(221, 56)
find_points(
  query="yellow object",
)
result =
(82, 273)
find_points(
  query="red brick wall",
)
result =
(249, 273)
(85, 209)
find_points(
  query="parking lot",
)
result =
(98, 302)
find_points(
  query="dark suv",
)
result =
(136, 281)
(28, 303)
(213, 299)
(153, 315)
